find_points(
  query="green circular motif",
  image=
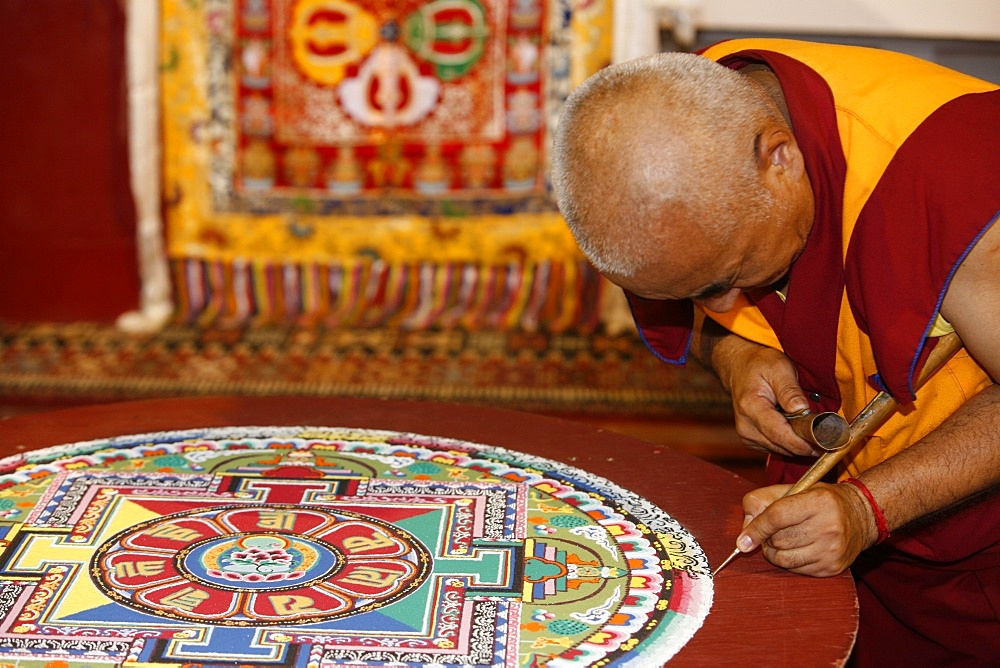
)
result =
(171, 461)
(567, 521)
(423, 468)
(567, 627)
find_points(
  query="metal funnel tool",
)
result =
(828, 431)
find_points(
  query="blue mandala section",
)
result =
(320, 546)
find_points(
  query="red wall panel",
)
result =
(67, 220)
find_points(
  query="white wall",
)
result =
(963, 19)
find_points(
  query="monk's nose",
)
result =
(720, 303)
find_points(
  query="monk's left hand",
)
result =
(818, 532)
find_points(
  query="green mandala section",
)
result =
(314, 546)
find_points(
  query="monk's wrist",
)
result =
(867, 508)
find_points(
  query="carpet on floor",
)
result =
(535, 371)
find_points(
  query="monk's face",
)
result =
(712, 272)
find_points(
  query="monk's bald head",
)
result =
(657, 153)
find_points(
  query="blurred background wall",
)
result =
(67, 213)
(67, 219)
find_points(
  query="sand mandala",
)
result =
(322, 547)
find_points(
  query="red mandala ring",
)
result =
(261, 564)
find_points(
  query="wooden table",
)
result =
(761, 615)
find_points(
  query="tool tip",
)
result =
(726, 562)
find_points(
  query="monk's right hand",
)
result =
(764, 385)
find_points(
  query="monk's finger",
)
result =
(755, 504)
(795, 559)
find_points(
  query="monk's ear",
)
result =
(778, 153)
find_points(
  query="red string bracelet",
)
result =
(880, 523)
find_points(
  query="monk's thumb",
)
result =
(745, 543)
(753, 534)
(792, 400)
(758, 525)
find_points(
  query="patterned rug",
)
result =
(536, 371)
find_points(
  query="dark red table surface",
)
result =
(761, 615)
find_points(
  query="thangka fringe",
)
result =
(546, 296)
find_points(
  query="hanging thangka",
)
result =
(373, 163)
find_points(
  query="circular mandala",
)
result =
(340, 545)
(223, 565)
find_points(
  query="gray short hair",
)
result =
(670, 133)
